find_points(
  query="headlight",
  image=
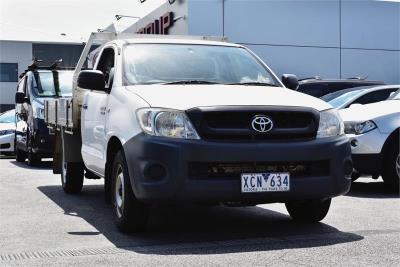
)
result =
(5, 132)
(38, 111)
(166, 122)
(330, 124)
(354, 127)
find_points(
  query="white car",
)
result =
(167, 120)
(7, 132)
(374, 132)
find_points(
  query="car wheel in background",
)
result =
(309, 211)
(129, 213)
(391, 166)
(33, 158)
(20, 155)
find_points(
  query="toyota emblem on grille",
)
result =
(262, 124)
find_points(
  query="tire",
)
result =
(33, 159)
(130, 214)
(20, 156)
(71, 176)
(311, 211)
(391, 166)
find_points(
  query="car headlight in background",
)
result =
(166, 122)
(357, 128)
(330, 124)
(5, 132)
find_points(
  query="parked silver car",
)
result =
(360, 95)
(374, 133)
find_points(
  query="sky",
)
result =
(46, 20)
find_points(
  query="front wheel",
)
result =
(310, 211)
(129, 213)
(20, 155)
(391, 166)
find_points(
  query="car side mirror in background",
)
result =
(19, 98)
(91, 80)
(290, 81)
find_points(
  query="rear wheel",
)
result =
(129, 213)
(310, 211)
(391, 166)
(71, 176)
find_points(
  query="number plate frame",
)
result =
(265, 182)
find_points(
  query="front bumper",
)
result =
(177, 184)
(7, 143)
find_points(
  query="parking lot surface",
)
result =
(41, 226)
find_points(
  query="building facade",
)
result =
(330, 39)
(16, 56)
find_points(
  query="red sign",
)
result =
(159, 26)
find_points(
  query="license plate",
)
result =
(265, 182)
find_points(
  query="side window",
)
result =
(106, 65)
(374, 97)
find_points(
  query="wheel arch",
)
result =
(393, 137)
(113, 146)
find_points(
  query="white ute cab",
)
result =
(184, 119)
(374, 133)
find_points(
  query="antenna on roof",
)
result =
(55, 64)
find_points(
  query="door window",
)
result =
(374, 96)
(106, 65)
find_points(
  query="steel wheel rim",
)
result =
(119, 192)
(398, 165)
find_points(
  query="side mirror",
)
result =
(19, 98)
(391, 95)
(92, 80)
(290, 81)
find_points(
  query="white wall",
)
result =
(331, 38)
(13, 52)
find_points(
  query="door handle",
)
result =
(84, 106)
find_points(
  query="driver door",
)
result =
(94, 114)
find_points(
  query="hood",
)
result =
(370, 111)
(7, 126)
(183, 97)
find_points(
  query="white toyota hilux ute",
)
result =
(374, 133)
(191, 120)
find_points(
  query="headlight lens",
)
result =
(5, 132)
(330, 124)
(38, 112)
(166, 122)
(357, 128)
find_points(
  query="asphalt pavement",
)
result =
(42, 226)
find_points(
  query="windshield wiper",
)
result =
(191, 82)
(255, 83)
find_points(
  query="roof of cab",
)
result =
(173, 41)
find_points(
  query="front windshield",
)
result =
(7, 117)
(164, 63)
(342, 99)
(53, 83)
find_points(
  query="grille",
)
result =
(210, 170)
(5, 146)
(234, 123)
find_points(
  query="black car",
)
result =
(319, 87)
(32, 138)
